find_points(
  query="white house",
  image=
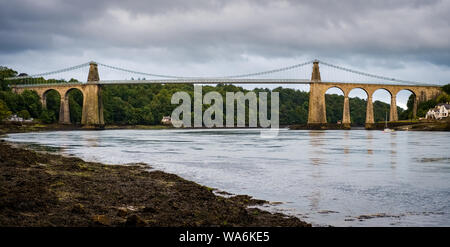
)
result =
(15, 118)
(439, 112)
(166, 120)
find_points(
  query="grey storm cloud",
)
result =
(201, 30)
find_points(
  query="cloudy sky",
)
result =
(406, 39)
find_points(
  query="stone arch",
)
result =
(408, 113)
(382, 88)
(334, 112)
(360, 88)
(47, 91)
(407, 89)
(358, 112)
(334, 86)
(74, 107)
(68, 91)
(52, 104)
(379, 109)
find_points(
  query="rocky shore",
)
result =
(442, 125)
(42, 189)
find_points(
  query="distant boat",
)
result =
(386, 129)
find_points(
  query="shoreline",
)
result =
(44, 189)
(441, 125)
(399, 125)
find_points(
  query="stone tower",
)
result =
(315, 76)
(93, 72)
(92, 115)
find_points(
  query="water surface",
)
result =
(339, 178)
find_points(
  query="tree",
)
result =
(147, 115)
(5, 73)
(443, 98)
(161, 105)
(47, 116)
(75, 105)
(24, 114)
(408, 113)
(4, 110)
(12, 100)
(32, 103)
(446, 88)
(53, 104)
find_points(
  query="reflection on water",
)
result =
(315, 141)
(341, 178)
(393, 150)
(91, 141)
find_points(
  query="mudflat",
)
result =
(42, 189)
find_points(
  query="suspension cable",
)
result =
(216, 77)
(371, 75)
(49, 73)
(271, 71)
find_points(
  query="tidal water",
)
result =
(338, 178)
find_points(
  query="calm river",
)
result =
(339, 178)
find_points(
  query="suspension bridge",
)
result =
(303, 73)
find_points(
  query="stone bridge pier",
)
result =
(92, 113)
(317, 108)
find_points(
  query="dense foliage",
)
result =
(26, 104)
(147, 104)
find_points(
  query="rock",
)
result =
(78, 209)
(247, 200)
(122, 212)
(135, 221)
(101, 220)
(149, 209)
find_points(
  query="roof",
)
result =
(447, 106)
